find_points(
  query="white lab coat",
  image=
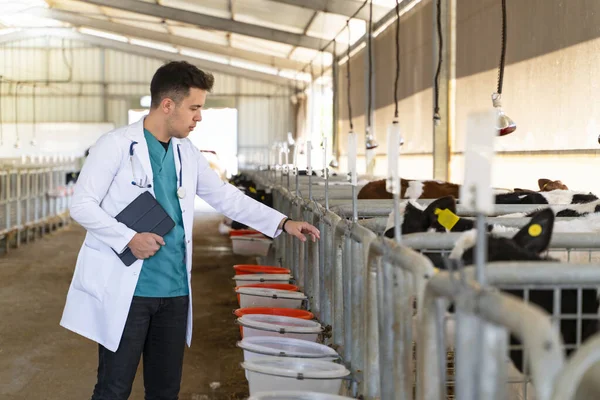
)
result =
(102, 287)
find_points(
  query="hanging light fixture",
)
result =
(394, 136)
(437, 118)
(505, 125)
(394, 128)
(351, 134)
(370, 141)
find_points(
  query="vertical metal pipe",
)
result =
(354, 205)
(336, 107)
(346, 304)
(481, 249)
(397, 230)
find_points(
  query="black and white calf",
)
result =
(553, 197)
(528, 244)
(440, 216)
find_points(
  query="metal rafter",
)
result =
(147, 34)
(211, 22)
(306, 28)
(143, 51)
(340, 7)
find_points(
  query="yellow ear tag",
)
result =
(446, 218)
(252, 190)
(535, 230)
(436, 270)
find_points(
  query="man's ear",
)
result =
(536, 235)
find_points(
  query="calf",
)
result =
(440, 216)
(528, 244)
(249, 188)
(430, 189)
(411, 189)
(557, 196)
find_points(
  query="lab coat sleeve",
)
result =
(231, 202)
(94, 180)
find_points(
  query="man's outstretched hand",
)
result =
(299, 229)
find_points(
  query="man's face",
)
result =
(184, 116)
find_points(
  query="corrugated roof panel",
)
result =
(307, 55)
(260, 45)
(328, 25)
(19, 64)
(87, 65)
(154, 26)
(200, 34)
(216, 8)
(90, 10)
(274, 15)
(281, 25)
(114, 13)
(224, 84)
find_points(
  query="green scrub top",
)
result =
(165, 273)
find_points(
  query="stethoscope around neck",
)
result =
(145, 184)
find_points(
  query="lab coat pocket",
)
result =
(94, 272)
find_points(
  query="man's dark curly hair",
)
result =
(174, 80)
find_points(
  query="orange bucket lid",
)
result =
(245, 269)
(286, 312)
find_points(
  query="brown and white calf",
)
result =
(432, 189)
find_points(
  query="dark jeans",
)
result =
(155, 327)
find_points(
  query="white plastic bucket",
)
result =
(277, 373)
(296, 395)
(248, 279)
(250, 246)
(279, 326)
(272, 298)
(269, 346)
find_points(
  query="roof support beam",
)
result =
(142, 51)
(210, 22)
(387, 19)
(346, 8)
(147, 34)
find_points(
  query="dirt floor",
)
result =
(39, 360)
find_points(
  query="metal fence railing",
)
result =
(385, 305)
(34, 200)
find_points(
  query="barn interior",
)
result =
(440, 147)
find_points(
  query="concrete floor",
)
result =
(39, 360)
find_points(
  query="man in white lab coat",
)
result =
(145, 308)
